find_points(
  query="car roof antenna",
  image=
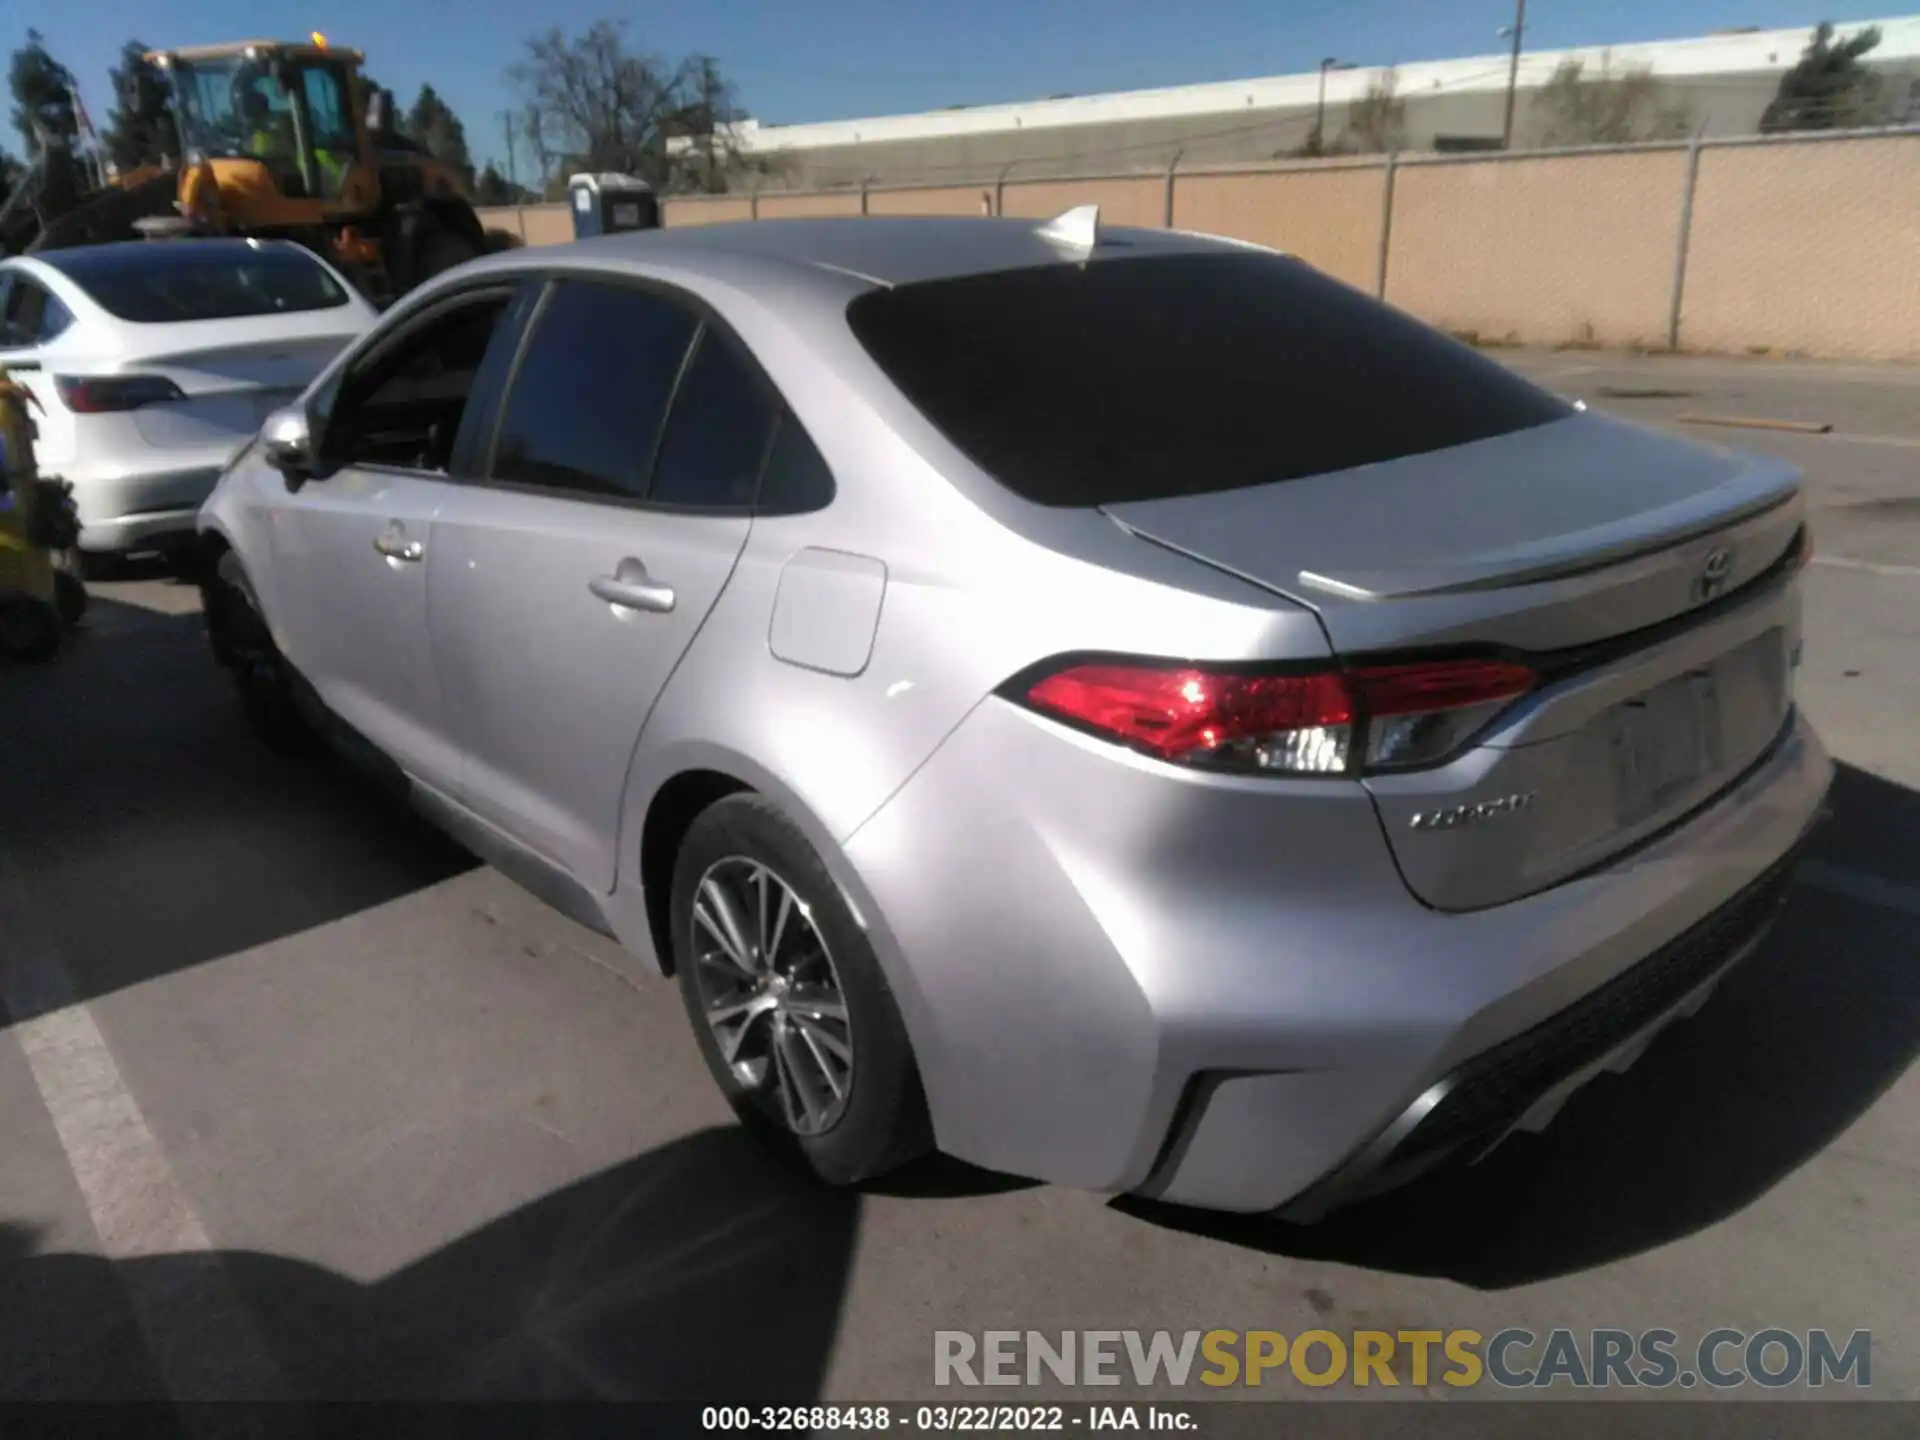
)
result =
(1077, 229)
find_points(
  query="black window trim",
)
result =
(706, 317)
(473, 448)
(760, 380)
(383, 346)
(483, 477)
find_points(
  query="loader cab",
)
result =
(279, 125)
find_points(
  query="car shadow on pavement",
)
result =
(1794, 1046)
(154, 832)
(941, 1177)
(699, 1269)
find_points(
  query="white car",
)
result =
(153, 362)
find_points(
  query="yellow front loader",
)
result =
(277, 139)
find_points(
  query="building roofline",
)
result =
(1700, 57)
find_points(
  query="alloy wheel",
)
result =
(770, 994)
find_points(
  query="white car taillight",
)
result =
(101, 394)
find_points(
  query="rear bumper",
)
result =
(1522, 1082)
(137, 508)
(1221, 993)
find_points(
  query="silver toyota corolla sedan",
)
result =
(1117, 706)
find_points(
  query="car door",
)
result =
(572, 577)
(353, 545)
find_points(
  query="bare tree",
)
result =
(595, 103)
(1614, 107)
(706, 122)
(1377, 121)
(531, 130)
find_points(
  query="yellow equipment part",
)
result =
(25, 568)
(240, 194)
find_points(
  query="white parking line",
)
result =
(1870, 567)
(1899, 442)
(202, 1341)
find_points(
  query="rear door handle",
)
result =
(631, 588)
(395, 546)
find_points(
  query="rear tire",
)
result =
(242, 642)
(30, 630)
(98, 566)
(817, 1061)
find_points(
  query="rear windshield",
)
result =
(1140, 379)
(164, 281)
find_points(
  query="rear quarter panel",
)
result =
(969, 599)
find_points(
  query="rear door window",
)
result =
(584, 412)
(1146, 378)
(716, 442)
(796, 479)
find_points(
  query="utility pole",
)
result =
(513, 180)
(1518, 28)
(1318, 144)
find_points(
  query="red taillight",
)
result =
(101, 394)
(1438, 685)
(1305, 724)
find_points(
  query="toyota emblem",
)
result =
(1713, 576)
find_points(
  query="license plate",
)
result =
(1664, 742)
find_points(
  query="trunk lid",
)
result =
(233, 373)
(1620, 560)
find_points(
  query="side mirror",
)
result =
(377, 113)
(287, 439)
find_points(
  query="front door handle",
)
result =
(631, 588)
(395, 546)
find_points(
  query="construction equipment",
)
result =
(275, 139)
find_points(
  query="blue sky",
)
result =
(792, 62)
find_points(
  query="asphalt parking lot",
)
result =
(296, 1098)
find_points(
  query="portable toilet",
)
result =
(610, 204)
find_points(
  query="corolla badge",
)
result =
(1456, 816)
(1715, 571)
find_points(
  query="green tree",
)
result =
(42, 95)
(1613, 107)
(432, 124)
(140, 129)
(1829, 88)
(493, 188)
